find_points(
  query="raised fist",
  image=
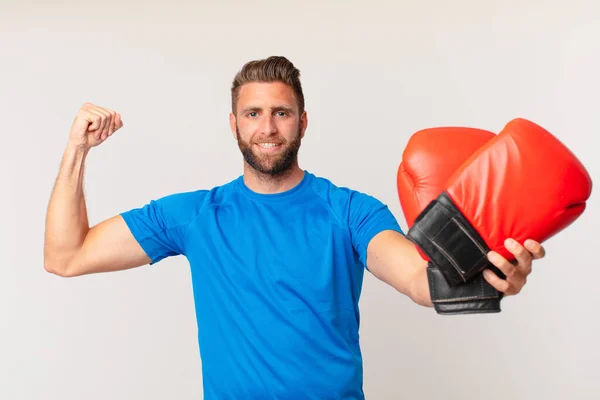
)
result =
(93, 125)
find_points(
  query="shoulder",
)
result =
(342, 197)
(364, 215)
(182, 207)
(195, 200)
(354, 208)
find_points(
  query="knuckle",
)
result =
(542, 253)
(522, 253)
(518, 289)
(524, 259)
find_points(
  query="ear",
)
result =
(303, 124)
(232, 124)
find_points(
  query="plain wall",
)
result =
(374, 72)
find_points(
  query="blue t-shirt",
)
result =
(276, 281)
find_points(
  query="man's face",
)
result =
(267, 127)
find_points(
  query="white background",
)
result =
(373, 72)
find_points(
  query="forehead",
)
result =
(266, 94)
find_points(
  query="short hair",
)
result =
(271, 69)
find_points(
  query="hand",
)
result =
(517, 272)
(93, 125)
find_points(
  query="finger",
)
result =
(111, 127)
(535, 248)
(497, 283)
(106, 120)
(118, 122)
(94, 119)
(106, 125)
(508, 287)
(523, 256)
(507, 268)
(99, 123)
(111, 124)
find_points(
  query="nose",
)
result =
(268, 126)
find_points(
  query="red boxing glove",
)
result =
(522, 184)
(428, 161)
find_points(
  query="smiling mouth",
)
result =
(268, 145)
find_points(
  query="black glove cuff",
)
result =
(476, 296)
(450, 241)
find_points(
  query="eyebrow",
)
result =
(275, 108)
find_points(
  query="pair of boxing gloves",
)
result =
(463, 191)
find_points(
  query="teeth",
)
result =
(268, 145)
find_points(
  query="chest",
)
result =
(300, 251)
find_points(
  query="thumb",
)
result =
(118, 121)
(91, 121)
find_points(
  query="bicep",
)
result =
(108, 246)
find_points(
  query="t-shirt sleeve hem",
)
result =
(145, 245)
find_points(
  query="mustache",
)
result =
(276, 139)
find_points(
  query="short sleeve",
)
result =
(368, 217)
(160, 226)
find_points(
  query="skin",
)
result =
(265, 113)
(268, 113)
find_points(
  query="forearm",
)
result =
(66, 219)
(393, 259)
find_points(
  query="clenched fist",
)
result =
(93, 125)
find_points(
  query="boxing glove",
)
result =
(431, 156)
(522, 184)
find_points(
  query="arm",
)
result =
(393, 259)
(71, 248)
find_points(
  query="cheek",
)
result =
(244, 132)
(289, 130)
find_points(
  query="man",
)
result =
(277, 255)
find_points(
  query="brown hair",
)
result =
(272, 69)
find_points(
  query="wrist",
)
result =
(73, 159)
(76, 151)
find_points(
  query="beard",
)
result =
(267, 164)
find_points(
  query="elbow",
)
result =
(423, 300)
(421, 296)
(419, 291)
(58, 267)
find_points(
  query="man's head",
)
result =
(268, 119)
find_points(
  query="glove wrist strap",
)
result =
(476, 296)
(449, 240)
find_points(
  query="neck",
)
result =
(269, 184)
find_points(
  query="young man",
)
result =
(277, 255)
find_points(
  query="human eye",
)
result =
(252, 114)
